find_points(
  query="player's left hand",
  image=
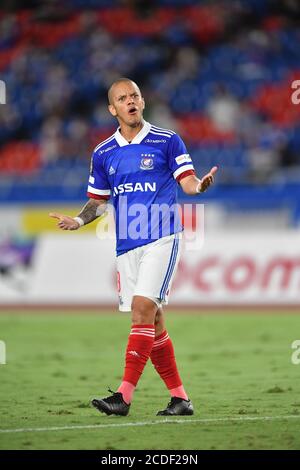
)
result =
(208, 179)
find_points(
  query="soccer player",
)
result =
(139, 167)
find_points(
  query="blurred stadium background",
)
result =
(218, 72)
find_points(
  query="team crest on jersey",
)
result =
(147, 164)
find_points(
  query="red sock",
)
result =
(139, 346)
(163, 359)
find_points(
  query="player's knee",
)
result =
(143, 311)
(158, 317)
(159, 322)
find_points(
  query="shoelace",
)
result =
(113, 397)
(174, 400)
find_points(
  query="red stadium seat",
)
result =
(198, 128)
(20, 157)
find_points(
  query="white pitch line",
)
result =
(152, 423)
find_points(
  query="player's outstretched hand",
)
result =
(208, 179)
(64, 221)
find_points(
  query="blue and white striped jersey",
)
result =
(141, 178)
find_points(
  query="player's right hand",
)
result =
(65, 222)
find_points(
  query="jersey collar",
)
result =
(138, 138)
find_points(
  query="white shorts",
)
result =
(148, 271)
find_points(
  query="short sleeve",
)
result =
(98, 187)
(180, 162)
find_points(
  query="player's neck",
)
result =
(129, 133)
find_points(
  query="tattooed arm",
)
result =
(94, 208)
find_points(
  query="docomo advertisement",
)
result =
(228, 269)
(240, 269)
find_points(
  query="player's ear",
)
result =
(112, 110)
(143, 101)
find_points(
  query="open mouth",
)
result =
(132, 110)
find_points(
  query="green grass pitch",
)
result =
(236, 368)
